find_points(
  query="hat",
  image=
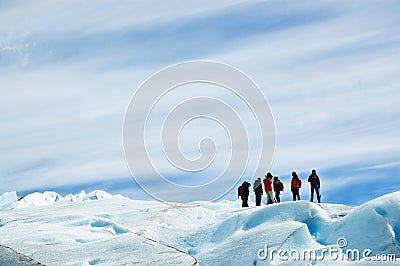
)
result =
(294, 173)
(269, 175)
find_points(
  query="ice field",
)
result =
(101, 229)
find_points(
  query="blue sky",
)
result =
(329, 70)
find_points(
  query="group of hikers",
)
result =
(272, 185)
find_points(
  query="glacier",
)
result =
(103, 229)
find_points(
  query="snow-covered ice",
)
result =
(99, 228)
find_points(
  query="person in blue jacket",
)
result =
(258, 190)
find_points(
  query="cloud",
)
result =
(68, 70)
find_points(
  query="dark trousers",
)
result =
(296, 194)
(244, 201)
(316, 192)
(258, 199)
(278, 196)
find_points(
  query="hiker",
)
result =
(268, 188)
(295, 186)
(243, 193)
(257, 187)
(315, 185)
(278, 187)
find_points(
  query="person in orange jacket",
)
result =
(268, 188)
(295, 186)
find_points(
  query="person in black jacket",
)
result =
(257, 187)
(315, 185)
(278, 188)
(245, 193)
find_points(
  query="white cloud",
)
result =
(68, 71)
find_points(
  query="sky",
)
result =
(328, 69)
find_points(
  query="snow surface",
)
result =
(99, 228)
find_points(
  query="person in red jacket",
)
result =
(268, 188)
(295, 186)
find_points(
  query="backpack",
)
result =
(299, 182)
(240, 191)
(281, 187)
